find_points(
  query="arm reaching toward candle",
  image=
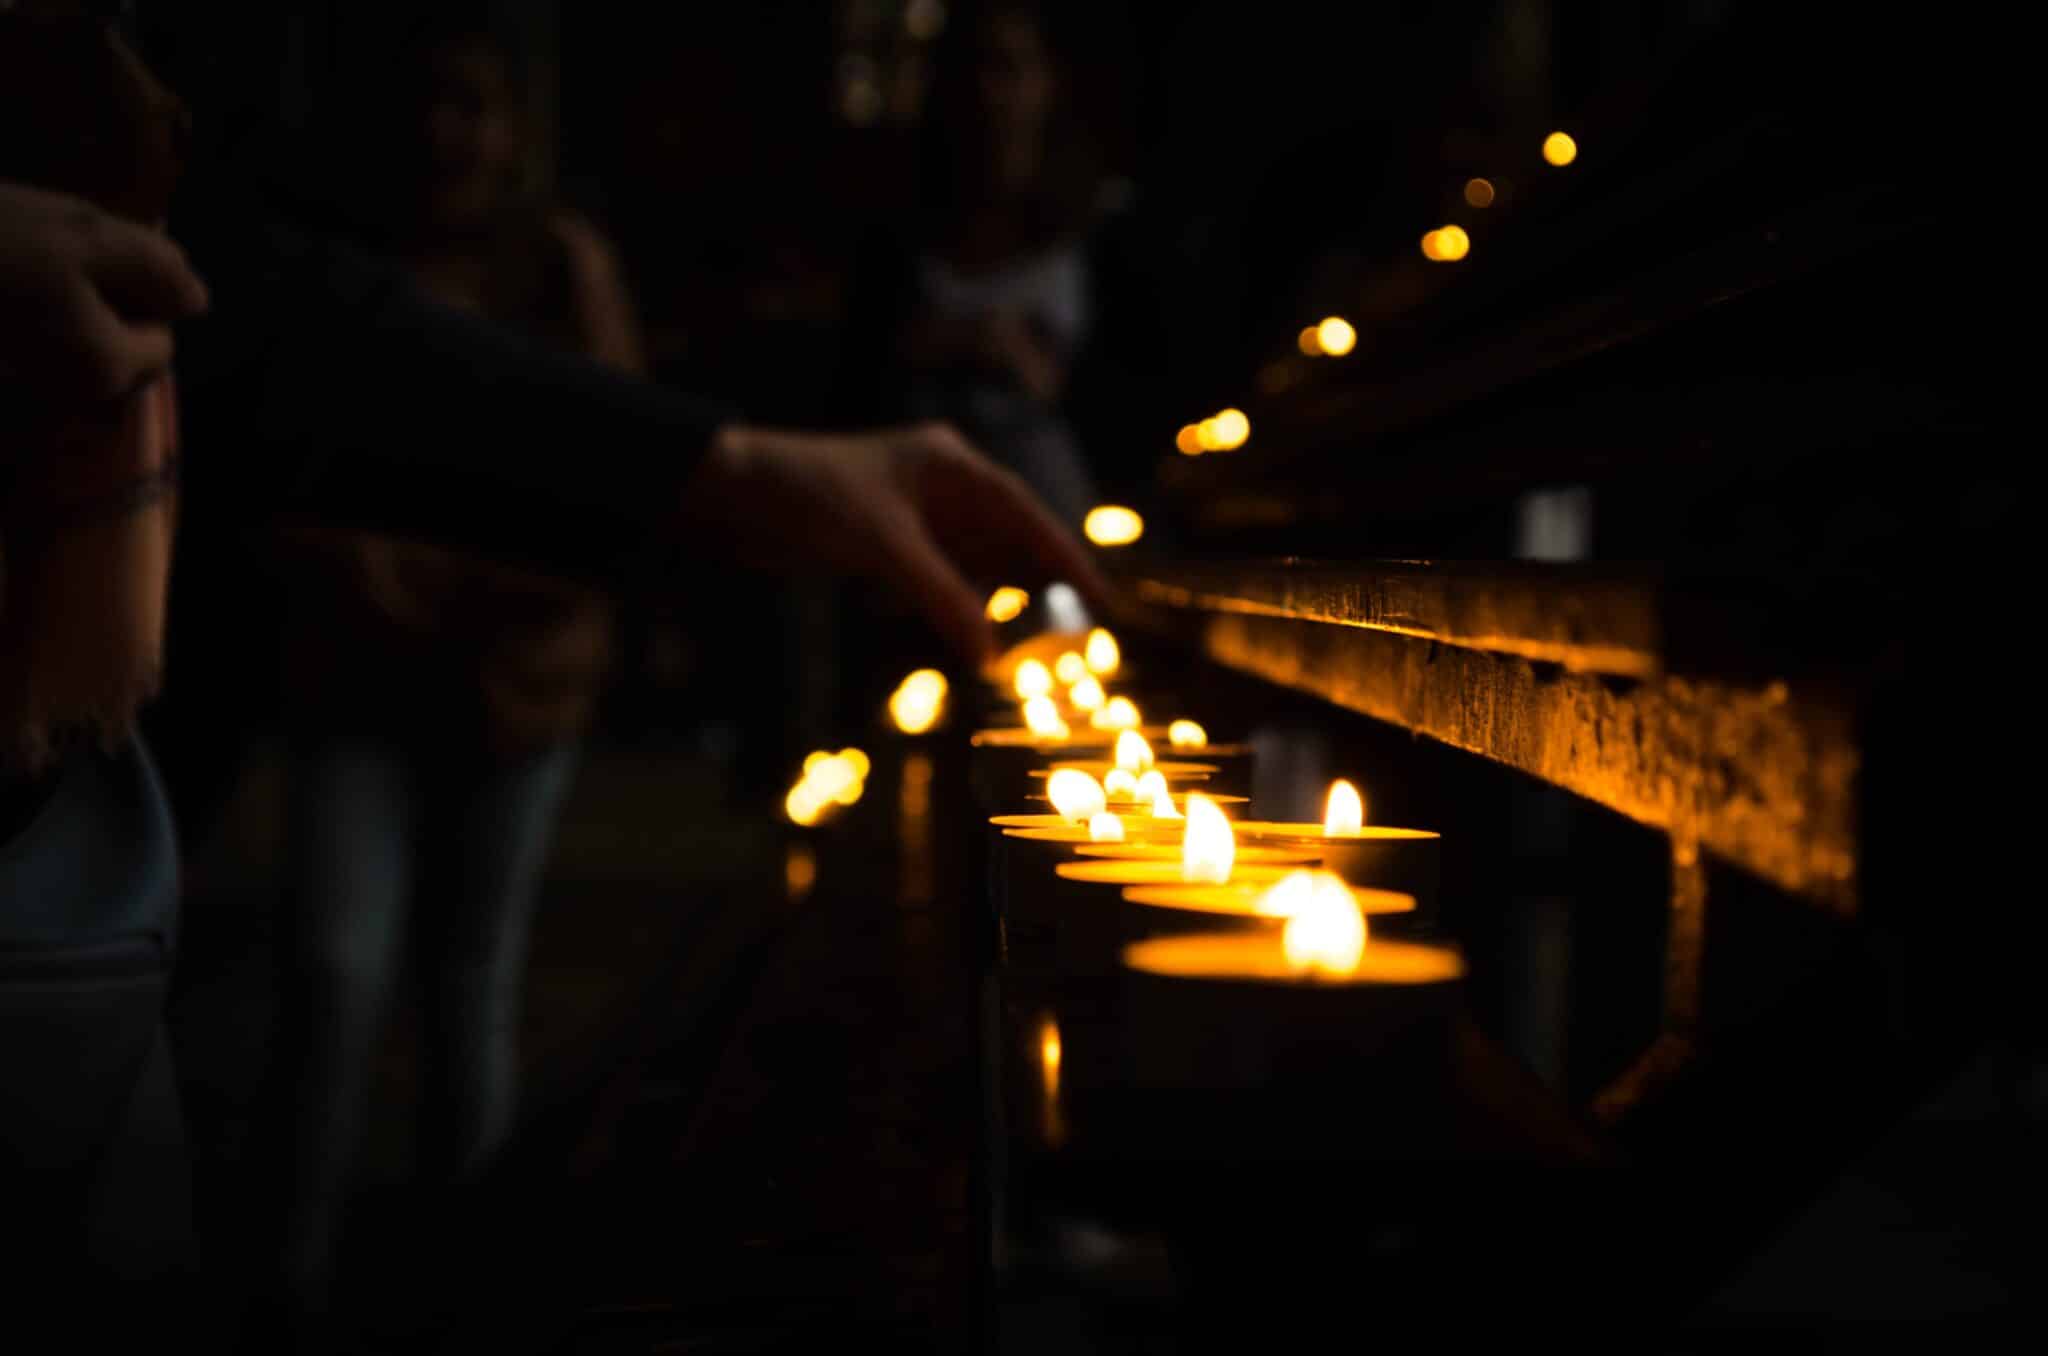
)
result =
(916, 508)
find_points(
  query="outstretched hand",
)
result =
(86, 298)
(916, 508)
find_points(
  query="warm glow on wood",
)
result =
(1101, 653)
(799, 870)
(1077, 796)
(1344, 811)
(1185, 734)
(1032, 679)
(1208, 847)
(1133, 754)
(1112, 525)
(1560, 149)
(1007, 604)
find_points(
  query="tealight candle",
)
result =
(1376, 856)
(1303, 1007)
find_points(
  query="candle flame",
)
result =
(1185, 734)
(1151, 786)
(803, 804)
(1326, 934)
(1070, 668)
(828, 779)
(1007, 603)
(1075, 795)
(1133, 754)
(918, 700)
(1087, 695)
(1049, 1054)
(1101, 652)
(1120, 785)
(1229, 430)
(1344, 811)
(1118, 713)
(1042, 718)
(1104, 827)
(1113, 525)
(1208, 847)
(1032, 679)
(1296, 891)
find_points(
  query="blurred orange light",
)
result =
(1479, 192)
(1560, 149)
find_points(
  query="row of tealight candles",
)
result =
(1147, 920)
(1292, 898)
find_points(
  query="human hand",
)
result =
(916, 508)
(86, 297)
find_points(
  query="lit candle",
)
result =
(1299, 1011)
(1371, 855)
(1207, 852)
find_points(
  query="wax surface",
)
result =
(1250, 856)
(1371, 833)
(1146, 829)
(1097, 871)
(1099, 768)
(1259, 958)
(1179, 798)
(1239, 898)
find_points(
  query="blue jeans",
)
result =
(391, 840)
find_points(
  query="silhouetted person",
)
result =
(434, 701)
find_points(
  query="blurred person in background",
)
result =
(1010, 299)
(434, 699)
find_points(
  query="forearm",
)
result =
(325, 385)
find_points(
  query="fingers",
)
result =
(1003, 502)
(938, 589)
(111, 357)
(142, 274)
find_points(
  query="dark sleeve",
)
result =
(322, 383)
